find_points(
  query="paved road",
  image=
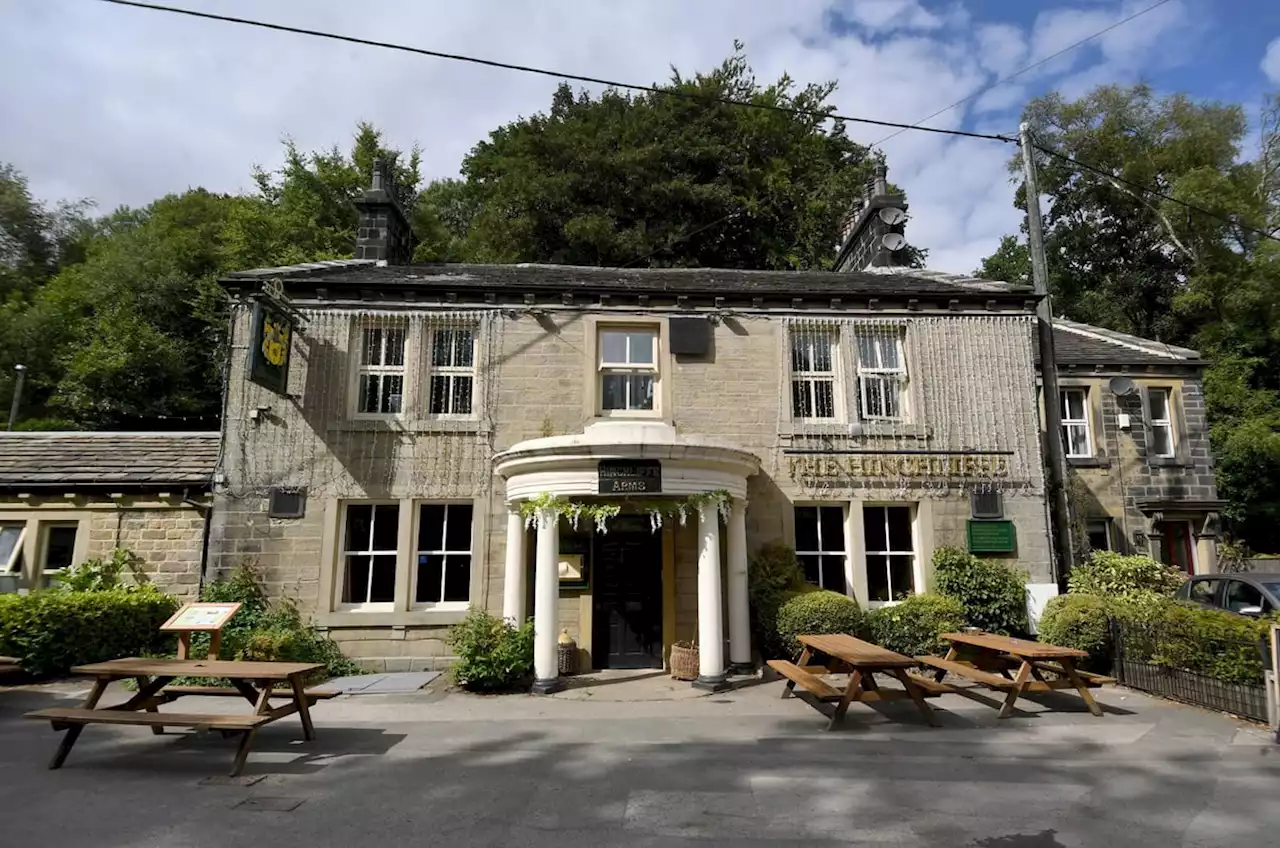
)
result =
(734, 769)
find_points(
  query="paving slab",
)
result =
(386, 683)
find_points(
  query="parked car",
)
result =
(1245, 593)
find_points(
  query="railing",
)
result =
(1219, 674)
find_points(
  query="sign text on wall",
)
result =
(885, 466)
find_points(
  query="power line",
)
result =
(1085, 166)
(527, 69)
(1046, 60)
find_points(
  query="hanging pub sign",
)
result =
(629, 476)
(269, 350)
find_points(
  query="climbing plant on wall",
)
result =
(600, 513)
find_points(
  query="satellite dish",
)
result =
(892, 215)
(893, 241)
(1121, 386)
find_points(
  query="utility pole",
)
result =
(17, 394)
(1059, 509)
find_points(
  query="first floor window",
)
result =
(890, 553)
(11, 536)
(1161, 423)
(1075, 423)
(820, 545)
(1099, 534)
(882, 374)
(815, 354)
(380, 389)
(444, 554)
(370, 541)
(628, 364)
(452, 375)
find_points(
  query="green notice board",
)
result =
(991, 537)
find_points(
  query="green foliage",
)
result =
(773, 575)
(272, 631)
(1214, 643)
(1111, 574)
(912, 627)
(96, 575)
(493, 654)
(993, 595)
(52, 631)
(817, 611)
(1082, 622)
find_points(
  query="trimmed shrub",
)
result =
(1082, 622)
(817, 611)
(913, 626)
(994, 596)
(774, 576)
(493, 654)
(52, 631)
(1214, 643)
(1111, 574)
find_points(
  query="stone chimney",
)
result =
(862, 237)
(384, 233)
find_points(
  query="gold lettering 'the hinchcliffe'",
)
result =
(875, 466)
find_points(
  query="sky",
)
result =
(124, 105)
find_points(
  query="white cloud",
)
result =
(125, 105)
(1271, 62)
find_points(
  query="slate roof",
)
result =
(1083, 344)
(68, 461)
(363, 273)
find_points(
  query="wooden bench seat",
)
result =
(67, 716)
(10, 664)
(806, 679)
(230, 692)
(930, 687)
(1089, 678)
(968, 671)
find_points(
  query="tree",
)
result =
(661, 180)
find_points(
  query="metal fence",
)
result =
(1219, 674)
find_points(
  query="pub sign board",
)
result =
(629, 476)
(269, 350)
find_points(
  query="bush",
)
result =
(53, 631)
(1111, 574)
(774, 574)
(1082, 622)
(493, 654)
(817, 611)
(1214, 643)
(913, 626)
(994, 596)
(94, 575)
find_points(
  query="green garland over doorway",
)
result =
(600, 513)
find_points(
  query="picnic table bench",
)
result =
(1006, 664)
(254, 681)
(861, 661)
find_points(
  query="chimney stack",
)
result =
(384, 234)
(862, 238)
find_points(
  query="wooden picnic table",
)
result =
(254, 681)
(990, 660)
(861, 661)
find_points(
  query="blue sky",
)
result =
(123, 105)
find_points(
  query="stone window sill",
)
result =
(415, 618)
(853, 430)
(1169, 462)
(1089, 461)
(413, 425)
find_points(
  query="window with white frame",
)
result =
(882, 374)
(628, 369)
(381, 373)
(444, 554)
(451, 371)
(11, 536)
(1161, 422)
(1075, 423)
(59, 548)
(815, 360)
(890, 553)
(370, 540)
(820, 545)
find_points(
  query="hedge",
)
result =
(817, 611)
(913, 626)
(1109, 574)
(994, 596)
(1082, 622)
(51, 631)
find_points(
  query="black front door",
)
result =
(628, 596)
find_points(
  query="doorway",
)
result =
(627, 609)
(1172, 543)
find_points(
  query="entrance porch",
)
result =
(626, 573)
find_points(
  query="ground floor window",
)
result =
(369, 554)
(820, 546)
(11, 536)
(890, 553)
(444, 554)
(1098, 531)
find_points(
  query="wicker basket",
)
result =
(684, 661)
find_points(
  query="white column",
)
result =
(739, 604)
(513, 580)
(711, 671)
(546, 599)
